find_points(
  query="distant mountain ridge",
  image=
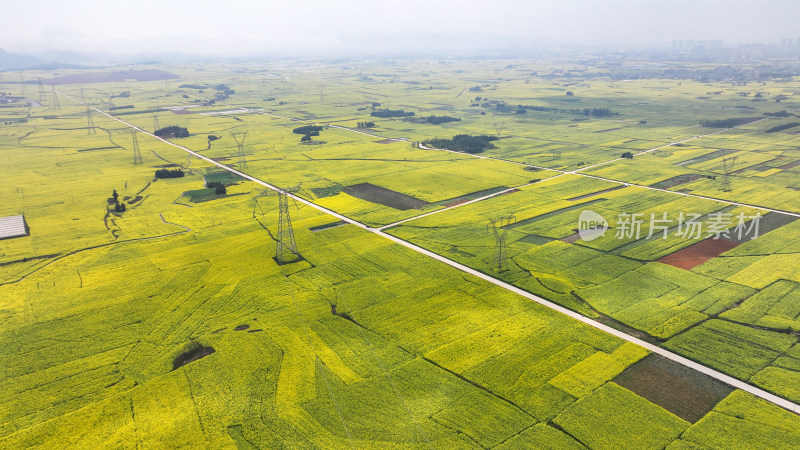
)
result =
(16, 61)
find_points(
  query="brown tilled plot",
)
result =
(383, 196)
(680, 390)
(696, 254)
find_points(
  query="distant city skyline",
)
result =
(350, 27)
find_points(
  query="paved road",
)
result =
(794, 407)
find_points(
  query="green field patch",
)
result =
(484, 418)
(780, 380)
(743, 421)
(202, 195)
(594, 371)
(222, 176)
(776, 306)
(737, 350)
(541, 436)
(707, 157)
(630, 420)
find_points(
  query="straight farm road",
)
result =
(733, 382)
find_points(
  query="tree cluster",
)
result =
(598, 112)
(172, 130)
(390, 113)
(785, 126)
(365, 124)
(218, 187)
(504, 107)
(627, 155)
(167, 173)
(727, 123)
(783, 113)
(463, 143)
(118, 207)
(308, 129)
(433, 120)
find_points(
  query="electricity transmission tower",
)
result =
(137, 156)
(727, 169)
(322, 94)
(89, 121)
(22, 83)
(56, 104)
(498, 128)
(239, 138)
(286, 246)
(155, 117)
(42, 93)
(500, 229)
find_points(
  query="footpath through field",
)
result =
(786, 404)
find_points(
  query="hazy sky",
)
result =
(351, 26)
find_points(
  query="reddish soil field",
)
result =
(696, 254)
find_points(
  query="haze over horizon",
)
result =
(353, 27)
